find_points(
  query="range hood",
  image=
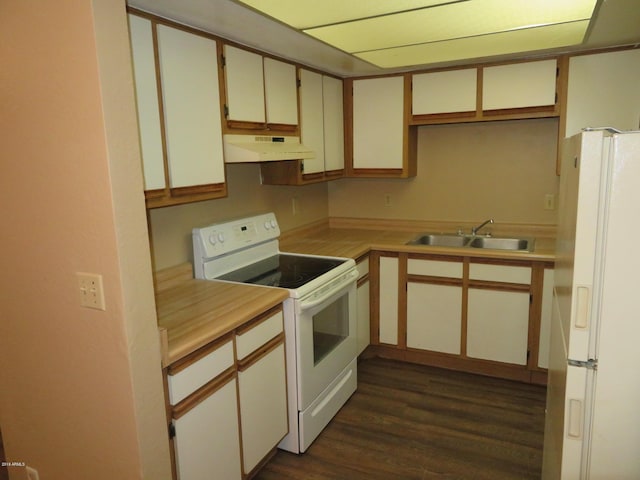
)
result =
(263, 148)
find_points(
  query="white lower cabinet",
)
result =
(263, 406)
(262, 386)
(363, 334)
(490, 315)
(204, 404)
(388, 301)
(545, 318)
(498, 325)
(229, 410)
(207, 442)
(434, 317)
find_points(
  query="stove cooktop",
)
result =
(282, 270)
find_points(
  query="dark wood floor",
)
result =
(414, 422)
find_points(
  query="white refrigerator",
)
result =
(592, 428)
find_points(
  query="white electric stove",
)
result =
(319, 315)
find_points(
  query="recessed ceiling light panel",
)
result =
(414, 32)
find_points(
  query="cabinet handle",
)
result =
(574, 429)
(582, 307)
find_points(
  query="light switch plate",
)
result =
(91, 290)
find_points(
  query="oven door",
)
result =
(325, 335)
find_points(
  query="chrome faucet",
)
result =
(474, 230)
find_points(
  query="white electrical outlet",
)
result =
(91, 291)
(549, 201)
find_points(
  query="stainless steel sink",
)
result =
(440, 240)
(473, 241)
(497, 243)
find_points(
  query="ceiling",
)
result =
(408, 34)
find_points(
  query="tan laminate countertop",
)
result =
(354, 242)
(193, 313)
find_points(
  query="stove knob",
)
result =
(273, 224)
(213, 239)
(267, 225)
(221, 237)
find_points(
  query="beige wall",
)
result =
(81, 392)
(171, 226)
(467, 173)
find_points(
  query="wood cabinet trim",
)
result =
(528, 372)
(261, 352)
(203, 393)
(454, 282)
(199, 354)
(502, 286)
(362, 280)
(244, 328)
(402, 300)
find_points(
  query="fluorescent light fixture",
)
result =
(411, 32)
(516, 41)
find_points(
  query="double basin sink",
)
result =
(473, 241)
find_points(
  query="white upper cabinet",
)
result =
(378, 123)
(259, 90)
(281, 93)
(312, 119)
(189, 77)
(519, 85)
(321, 121)
(332, 95)
(244, 80)
(603, 91)
(445, 92)
(144, 69)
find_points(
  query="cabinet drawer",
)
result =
(434, 268)
(363, 268)
(187, 380)
(500, 273)
(248, 341)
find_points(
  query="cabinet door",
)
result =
(312, 119)
(332, 95)
(362, 299)
(189, 76)
(144, 70)
(603, 90)
(388, 301)
(545, 318)
(518, 85)
(498, 325)
(378, 123)
(207, 442)
(444, 92)
(281, 92)
(434, 317)
(244, 80)
(263, 406)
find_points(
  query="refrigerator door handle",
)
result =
(582, 307)
(574, 427)
(590, 364)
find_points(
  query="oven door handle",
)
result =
(329, 290)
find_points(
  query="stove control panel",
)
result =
(227, 237)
